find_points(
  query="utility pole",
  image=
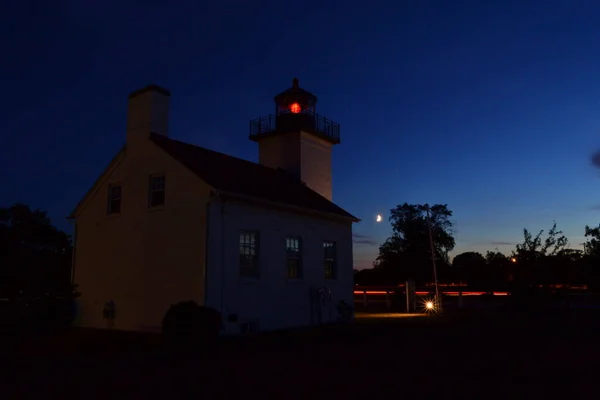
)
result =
(438, 299)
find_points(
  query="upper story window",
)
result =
(330, 259)
(114, 199)
(293, 247)
(249, 255)
(156, 195)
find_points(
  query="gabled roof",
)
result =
(113, 163)
(234, 176)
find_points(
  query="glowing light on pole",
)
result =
(438, 300)
(429, 305)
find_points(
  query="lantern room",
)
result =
(295, 100)
(295, 111)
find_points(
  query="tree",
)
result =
(591, 260)
(468, 259)
(484, 273)
(532, 248)
(35, 257)
(469, 267)
(571, 254)
(534, 256)
(592, 243)
(407, 252)
(495, 258)
(499, 270)
(35, 271)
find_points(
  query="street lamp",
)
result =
(437, 290)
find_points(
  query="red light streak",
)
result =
(381, 292)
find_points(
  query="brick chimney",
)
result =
(148, 112)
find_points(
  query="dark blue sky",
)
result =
(492, 107)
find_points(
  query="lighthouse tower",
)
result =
(297, 140)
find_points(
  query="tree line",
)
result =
(543, 259)
(35, 268)
(35, 257)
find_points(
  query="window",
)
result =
(294, 257)
(330, 259)
(156, 196)
(249, 251)
(114, 199)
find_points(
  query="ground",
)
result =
(460, 355)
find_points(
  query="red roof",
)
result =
(246, 179)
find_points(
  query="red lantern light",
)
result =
(295, 108)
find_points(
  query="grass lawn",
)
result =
(457, 355)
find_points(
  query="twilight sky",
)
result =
(492, 107)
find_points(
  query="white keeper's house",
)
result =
(169, 221)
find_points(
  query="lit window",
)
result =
(249, 255)
(114, 199)
(294, 257)
(295, 108)
(156, 195)
(330, 259)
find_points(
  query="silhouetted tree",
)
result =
(566, 267)
(592, 243)
(539, 260)
(35, 265)
(533, 247)
(532, 255)
(407, 253)
(496, 258)
(590, 265)
(35, 257)
(364, 277)
(500, 271)
(469, 267)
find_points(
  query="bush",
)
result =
(344, 311)
(51, 313)
(38, 312)
(186, 324)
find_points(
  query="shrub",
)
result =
(344, 311)
(34, 311)
(188, 325)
